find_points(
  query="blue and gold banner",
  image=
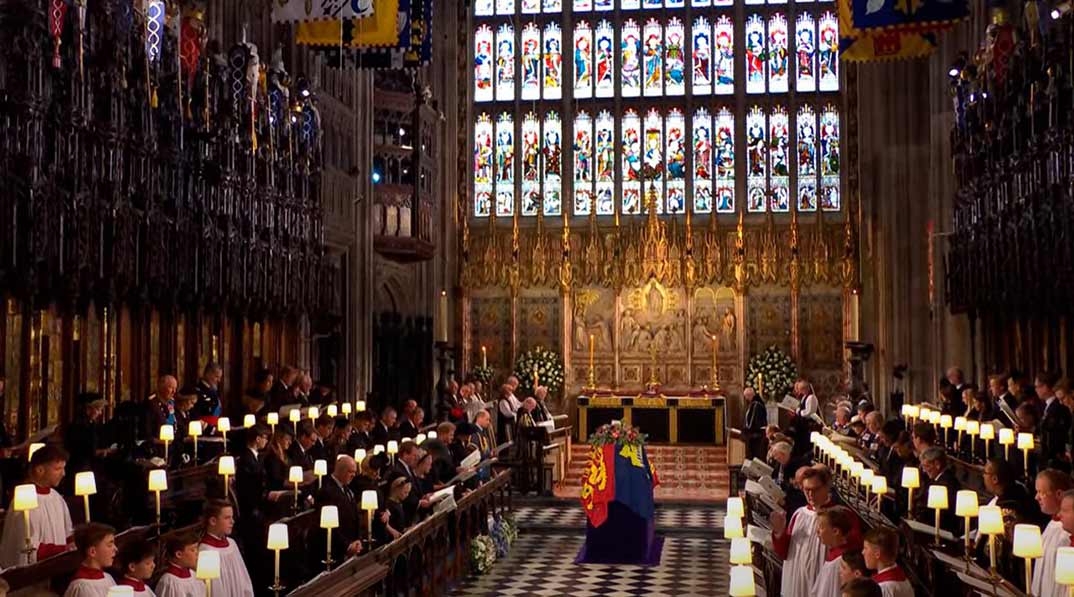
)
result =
(907, 16)
(857, 44)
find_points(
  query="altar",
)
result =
(678, 418)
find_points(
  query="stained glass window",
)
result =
(583, 164)
(725, 161)
(505, 165)
(702, 154)
(676, 143)
(777, 54)
(805, 50)
(605, 60)
(483, 165)
(583, 60)
(779, 136)
(675, 58)
(756, 163)
(701, 51)
(630, 59)
(653, 59)
(829, 159)
(653, 158)
(552, 153)
(552, 69)
(483, 65)
(605, 162)
(531, 62)
(756, 65)
(685, 143)
(531, 149)
(828, 53)
(724, 71)
(630, 149)
(806, 124)
(505, 63)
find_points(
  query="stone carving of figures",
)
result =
(728, 335)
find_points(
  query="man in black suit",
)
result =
(1056, 423)
(1000, 479)
(299, 452)
(934, 465)
(346, 539)
(411, 423)
(385, 429)
(324, 426)
(755, 424)
(361, 437)
(280, 394)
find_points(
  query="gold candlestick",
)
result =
(592, 372)
(715, 367)
(652, 365)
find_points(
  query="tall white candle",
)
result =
(442, 324)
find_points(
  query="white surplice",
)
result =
(50, 523)
(802, 553)
(234, 579)
(180, 582)
(1044, 584)
(827, 582)
(893, 582)
(139, 588)
(89, 583)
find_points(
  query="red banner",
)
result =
(598, 484)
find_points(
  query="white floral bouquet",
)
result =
(549, 368)
(778, 373)
(484, 374)
(482, 554)
(510, 528)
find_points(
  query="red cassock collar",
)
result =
(87, 573)
(216, 542)
(178, 571)
(138, 585)
(893, 574)
(835, 552)
(42, 490)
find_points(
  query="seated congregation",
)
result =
(170, 497)
(970, 493)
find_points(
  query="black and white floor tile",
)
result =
(694, 562)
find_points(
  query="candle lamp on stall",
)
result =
(208, 569)
(167, 435)
(320, 468)
(369, 504)
(735, 507)
(990, 522)
(225, 467)
(1025, 444)
(346, 408)
(988, 433)
(880, 488)
(866, 477)
(273, 419)
(35, 446)
(294, 476)
(419, 439)
(277, 541)
(312, 413)
(1006, 439)
(158, 482)
(329, 521)
(741, 582)
(85, 486)
(966, 506)
(911, 480)
(973, 429)
(249, 421)
(1028, 546)
(741, 552)
(223, 424)
(946, 423)
(194, 431)
(732, 527)
(359, 456)
(431, 434)
(937, 501)
(332, 410)
(393, 449)
(378, 449)
(915, 412)
(1064, 568)
(24, 500)
(359, 406)
(295, 416)
(960, 426)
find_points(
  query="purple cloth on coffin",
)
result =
(625, 538)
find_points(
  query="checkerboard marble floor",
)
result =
(694, 562)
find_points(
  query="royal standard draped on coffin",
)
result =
(618, 470)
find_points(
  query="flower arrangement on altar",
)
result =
(482, 554)
(777, 373)
(546, 365)
(616, 433)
